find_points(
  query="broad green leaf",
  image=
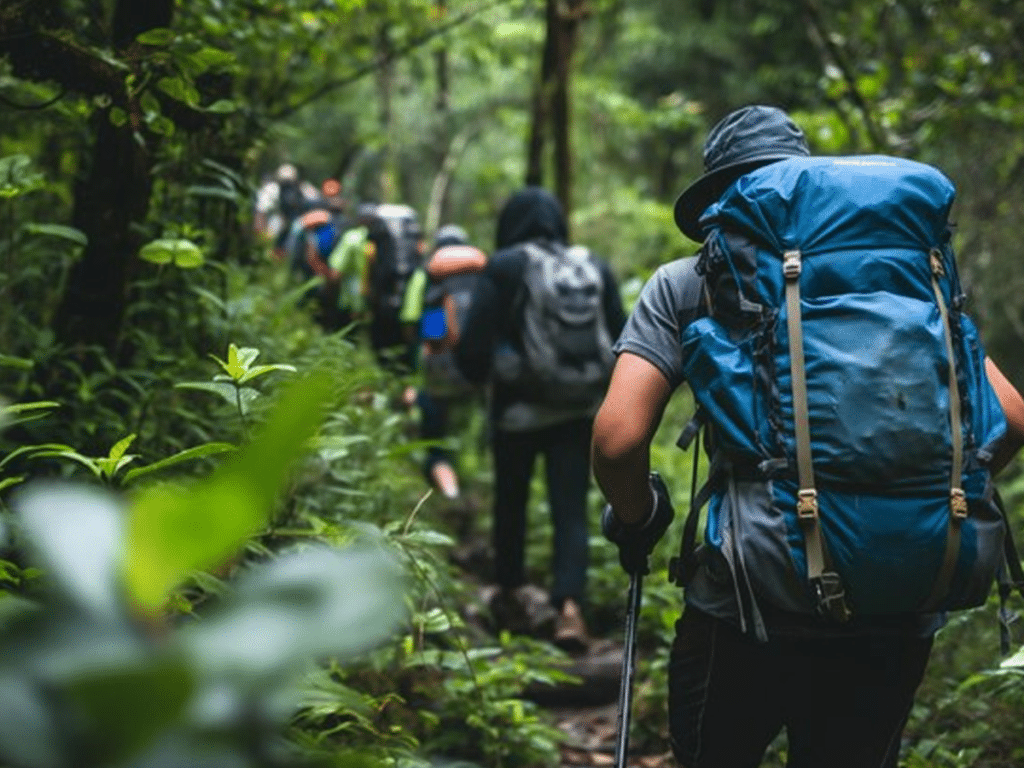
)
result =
(189, 454)
(22, 408)
(72, 455)
(260, 370)
(17, 176)
(174, 530)
(150, 105)
(128, 706)
(220, 193)
(434, 620)
(180, 252)
(1016, 660)
(20, 363)
(334, 447)
(158, 36)
(225, 390)
(180, 89)
(210, 58)
(322, 694)
(76, 533)
(58, 230)
(211, 297)
(222, 107)
(18, 413)
(28, 733)
(31, 449)
(239, 360)
(238, 397)
(10, 482)
(310, 603)
(119, 448)
(164, 126)
(428, 538)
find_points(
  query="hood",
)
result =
(532, 213)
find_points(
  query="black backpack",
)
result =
(567, 347)
(397, 239)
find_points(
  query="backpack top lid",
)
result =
(819, 204)
(451, 260)
(401, 220)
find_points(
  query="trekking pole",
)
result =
(628, 668)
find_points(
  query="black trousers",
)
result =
(843, 701)
(566, 451)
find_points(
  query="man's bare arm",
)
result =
(1013, 408)
(623, 430)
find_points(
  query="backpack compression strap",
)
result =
(826, 583)
(823, 579)
(957, 499)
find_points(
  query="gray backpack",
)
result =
(567, 348)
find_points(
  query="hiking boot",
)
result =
(524, 610)
(571, 629)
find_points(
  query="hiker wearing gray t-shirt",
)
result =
(739, 672)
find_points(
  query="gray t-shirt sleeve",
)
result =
(668, 303)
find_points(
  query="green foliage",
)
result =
(182, 253)
(350, 89)
(17, 177)
(173, 530)
(85, 685)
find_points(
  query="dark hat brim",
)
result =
(695, 199)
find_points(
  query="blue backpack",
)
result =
(850, 420)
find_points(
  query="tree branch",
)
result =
(833, 53)
(329, 87)
(51, 55)
(33, 107)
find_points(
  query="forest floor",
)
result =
(585, 711)
(591, 735)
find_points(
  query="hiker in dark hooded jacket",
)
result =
(523, 426)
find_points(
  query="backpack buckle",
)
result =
(807, 504)
(958, 503)
(791, 264)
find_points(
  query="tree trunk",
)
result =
(561, 111)
(111, 200)
(442, 141)
(551, 100)
(540, 109)
(385, 83)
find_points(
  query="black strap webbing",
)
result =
(681, 568)
(1011, 576)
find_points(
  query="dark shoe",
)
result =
(524, 610)
(571, 629)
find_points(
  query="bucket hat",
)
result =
(450, 234)
(742, 141)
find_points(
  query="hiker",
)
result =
(323, 228)
(279, 202)
(396, 251)
(312, 237)
(546, 382)
(758, 650)
(437, 299)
